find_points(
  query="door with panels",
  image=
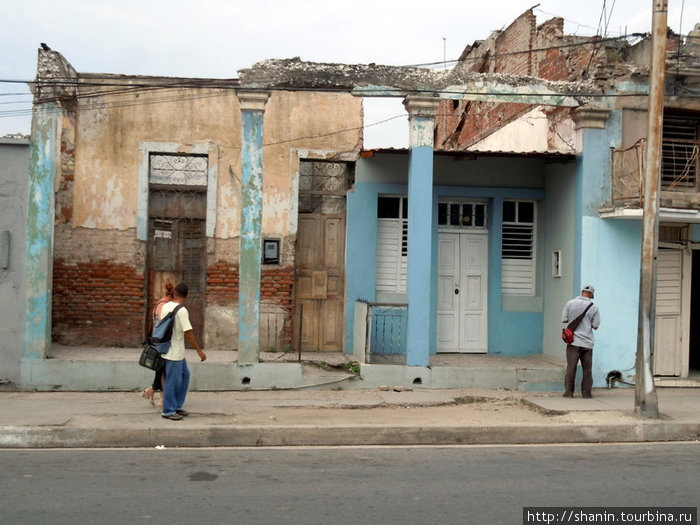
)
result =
(672, 307)
(462, 323)
(320, 255)
(176, 248)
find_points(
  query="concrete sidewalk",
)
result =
(342, 417)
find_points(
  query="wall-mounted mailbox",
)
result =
(271, 251)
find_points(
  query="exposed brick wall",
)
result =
(457, 128)
(86, 245)
(277, 285)
(222, 283)
(511, 44)
(64, 195)
(276, 298)
(98, 303)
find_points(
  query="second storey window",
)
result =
(680, 162)
(518, 248)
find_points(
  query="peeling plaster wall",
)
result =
(98, 190)
(293, 131)
(110, 130)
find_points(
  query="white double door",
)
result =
(462, 323)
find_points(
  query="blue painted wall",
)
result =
(610, 254)
(516, 324)
(617, 296)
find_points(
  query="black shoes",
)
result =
(173, 417)
(182, 412)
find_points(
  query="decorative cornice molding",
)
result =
(591, 118)
(253, 100)
(421, 106)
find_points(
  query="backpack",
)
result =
(163, 332)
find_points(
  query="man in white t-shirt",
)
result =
(177, 374)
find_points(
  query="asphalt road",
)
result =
(472, 484)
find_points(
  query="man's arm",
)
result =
(189, 335)
(595, 322)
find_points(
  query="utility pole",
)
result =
(645, 400)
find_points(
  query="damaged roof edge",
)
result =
(468, 155)
(387, 81)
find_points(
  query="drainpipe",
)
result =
(645, 400)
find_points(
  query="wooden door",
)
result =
(177, 250)
(320, 284)
(668, 334)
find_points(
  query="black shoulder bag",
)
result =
(567, 334)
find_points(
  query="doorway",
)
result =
(176, 246)
(320, 255)
(462, 324)
(694, 339)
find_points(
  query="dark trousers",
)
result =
(574, 354)
(158, 380)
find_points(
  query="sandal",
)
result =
(147, 397)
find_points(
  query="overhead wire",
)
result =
(222, 86)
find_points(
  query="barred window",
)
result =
(679, 153)
(518, 248)
(463, 215)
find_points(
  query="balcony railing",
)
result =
(627, 174)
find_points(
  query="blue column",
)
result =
(420, 282)
(250, 262)
(44, 150)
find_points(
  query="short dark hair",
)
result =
(181, 289)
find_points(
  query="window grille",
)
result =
(178, 170)
(463, 215)
(679, 154)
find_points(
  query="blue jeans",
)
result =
(177, 381)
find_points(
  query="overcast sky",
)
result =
(216, 38)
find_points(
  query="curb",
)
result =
(12, 437)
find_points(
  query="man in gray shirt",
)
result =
(581, 348)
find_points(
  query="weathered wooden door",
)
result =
(670, 346)
(321, 281)
(177, 250)
(177, 214)
(320, 254)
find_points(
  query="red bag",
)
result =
(567, 336)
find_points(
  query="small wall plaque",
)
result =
(556, 263)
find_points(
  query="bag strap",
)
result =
(172, 313)
(573, 324)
